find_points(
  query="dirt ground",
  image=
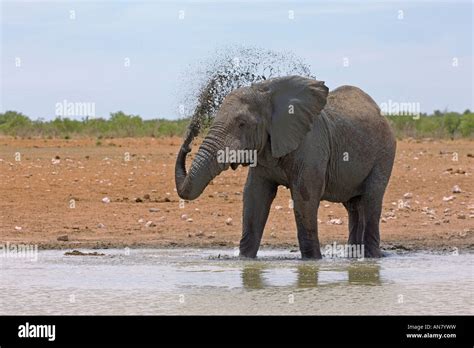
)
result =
(56, 193)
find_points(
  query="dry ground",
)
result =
(57, 187)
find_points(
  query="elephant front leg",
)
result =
(258, 197)
(307, 226)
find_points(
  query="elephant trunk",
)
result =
(204, 167)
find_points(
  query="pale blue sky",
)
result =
(82, 60)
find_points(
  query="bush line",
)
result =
(118, 125)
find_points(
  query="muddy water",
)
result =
(210, 281)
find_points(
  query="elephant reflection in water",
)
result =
(253, 275)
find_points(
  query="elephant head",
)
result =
(278, 112)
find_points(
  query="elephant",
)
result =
(332, 146)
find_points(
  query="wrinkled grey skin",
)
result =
(335, 147)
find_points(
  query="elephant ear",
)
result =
(296, 101)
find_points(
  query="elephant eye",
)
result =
(241, 124)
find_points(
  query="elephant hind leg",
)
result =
(371, 209)
(356, 228)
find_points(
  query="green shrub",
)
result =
(466, 126)
(15, 123)
(447, 125)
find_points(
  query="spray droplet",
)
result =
(232, 68)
